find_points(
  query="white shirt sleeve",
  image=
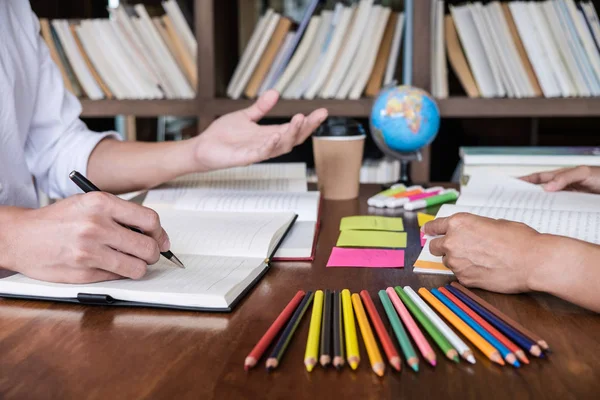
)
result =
(58, 141)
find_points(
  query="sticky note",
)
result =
(369, 258)
(423, 218)
(423, 239)
(371, 223)
(390, 240)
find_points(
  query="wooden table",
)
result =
(67, 351)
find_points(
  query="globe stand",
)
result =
(405, 159)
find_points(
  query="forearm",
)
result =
(571, 271)
(120, 167)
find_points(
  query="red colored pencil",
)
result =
(493, 331)
(273, 330)
(385, 339)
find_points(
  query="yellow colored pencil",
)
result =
(483, 345)
(352, 354)
(367, 334)
(314, 332)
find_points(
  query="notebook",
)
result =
(259, 188)
(224, 253)
(572, 214)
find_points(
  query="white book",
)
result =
(300, 81)
(530, 35)
(255, 57)
(181, 26)
(487, 37)
(89, 84)
(300, 55)
(586, 37)
(433, 48)
(592, 17)
(369, 61)
(390, 69)
(325, 64)
(440, 44)
(248, 51)
(474, 50)
(351, 46)
(224, 255)
(571, 214)
(267, 82)
(362, 52)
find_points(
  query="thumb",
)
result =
(262, 105)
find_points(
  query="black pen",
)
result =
(87, 186)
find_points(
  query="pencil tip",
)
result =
(176, 261)
(353, 365)
(471, 359)
(536, 351)
(396, 363)
(309, 367)
(433, 362)
(456, 359)
(415, 367)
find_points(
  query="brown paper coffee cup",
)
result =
(337, 162)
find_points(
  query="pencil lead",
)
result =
(415, 367)
(456, 359)
(354, 364)
(471, 359)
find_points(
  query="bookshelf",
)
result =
(217, 57)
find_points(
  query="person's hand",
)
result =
(496, 255)
(80, 239)
(236, 139)
(581, 179)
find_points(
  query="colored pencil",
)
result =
(311, 354)
(286, 337)
(449, 292)
(407, 348)
(504, 352)
(338, 331)
(384, 337)
(509, 321)
(352, 353)
(505, 330)
(273, 330)
(487, 349)
(325, 358)
(366, 332)
(411, 325)
(460, 346)
(435, 334)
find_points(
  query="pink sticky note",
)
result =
(423, 240)
(369, 258)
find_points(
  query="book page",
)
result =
(299, 241)
(488, 190)
(223, 234)
(207, 281)
(305, 204)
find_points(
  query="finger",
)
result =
(311, 123)
(288, 137)
(436, 247)
(73, 275)
(566, 178)
(143, 218)
(133, 243)
(438, 226)
(262, 105)
(122, 264)
(541, 177)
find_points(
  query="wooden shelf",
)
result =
(455, 107)
(287, 108)
(140, 108)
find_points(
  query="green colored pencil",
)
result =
(405, 344)
(435, 334)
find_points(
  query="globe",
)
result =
(404, 119)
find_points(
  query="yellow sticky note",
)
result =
(371, 223)
(390, 240)
(424, 218)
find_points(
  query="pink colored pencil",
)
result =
(412, 327)
(423, 195)
(270, 334)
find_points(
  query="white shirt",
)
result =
(41, 134)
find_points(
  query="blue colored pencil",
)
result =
(504, 351)
(506, 330)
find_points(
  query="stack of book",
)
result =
(518, 49)
(129, 56)
(341, 53)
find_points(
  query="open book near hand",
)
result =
(572, 214)
(224, 255)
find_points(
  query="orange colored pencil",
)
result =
(498, 335)
(384, 338)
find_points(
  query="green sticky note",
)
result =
(390, 240)
(371, 223)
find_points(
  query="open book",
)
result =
(576, 215)
(224, 255)
(257, 188)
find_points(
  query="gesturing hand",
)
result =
(236, 139)
(81, 239)
(581, 179)
(496, 255)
